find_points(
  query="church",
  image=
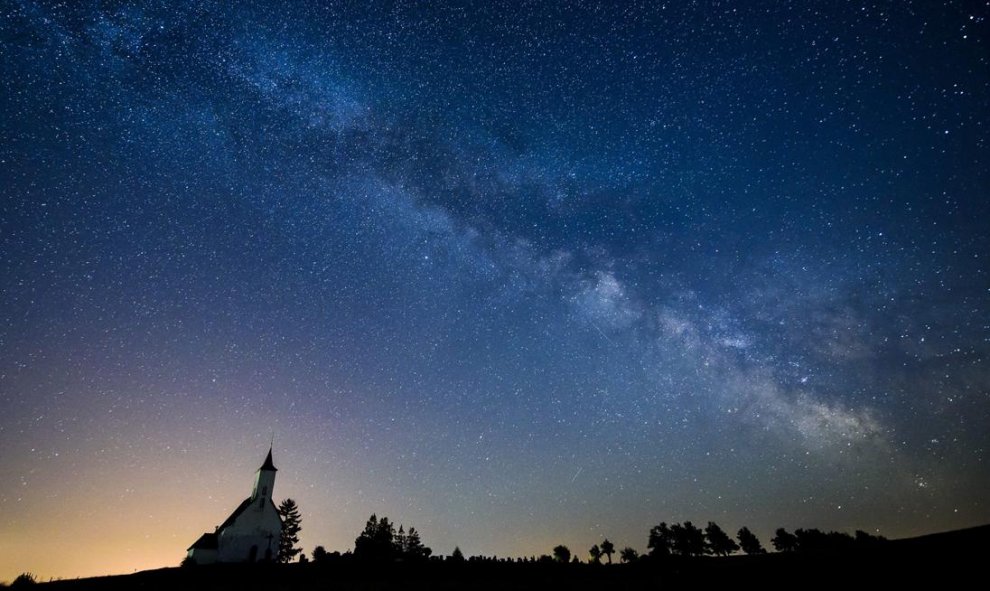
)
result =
(252, 531)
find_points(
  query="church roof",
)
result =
(240, 509)
(268, 465)
(205, 542)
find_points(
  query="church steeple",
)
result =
(264, 480)
(268, 465)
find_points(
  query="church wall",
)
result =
(203, 556)
(259, 525)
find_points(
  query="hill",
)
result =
(945, 558)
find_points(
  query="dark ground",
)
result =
(951, 559)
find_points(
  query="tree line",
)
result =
(380, 541)
(687, 539)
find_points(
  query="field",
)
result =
(945, 559)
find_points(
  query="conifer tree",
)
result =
(290, 531)
(414, 546)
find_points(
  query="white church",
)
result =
(252, 531)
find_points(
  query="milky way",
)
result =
(517, 274)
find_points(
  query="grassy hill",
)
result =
(949, 558)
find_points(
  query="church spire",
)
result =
(268, 465)
(264, 480)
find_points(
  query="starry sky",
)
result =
(514, 273)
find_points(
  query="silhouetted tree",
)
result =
(380, 542)
(628, 554)
(688, 540)
(784, 541)
(865, 540)
(837, 541)
(457, 555)
(808, 539)
(718, 542)
(562, 554)
(319, 554)
(596, 554)
(661, 540)
(377, 541)
(414, 548)
(290, 531)
(303, 558)
(811, 540)
(608, 549)
(23, 580)
(749, 543)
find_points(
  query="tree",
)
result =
(377, 541)
(319, 554)
(749, 543)
(718, 542)
(414, 548)
(688, 539)
(596, 554)
(380, 542)
(865, 540)
(661, 540)
(290, 531)
(457, 555)
(815, 540)
(629, 555)
(608, 549)
(562, 554)
(840, 541)
(784, 541)
(24, 580)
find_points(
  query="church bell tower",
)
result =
(264, 480)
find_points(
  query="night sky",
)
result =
(516, 274)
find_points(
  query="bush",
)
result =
(23, 580)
